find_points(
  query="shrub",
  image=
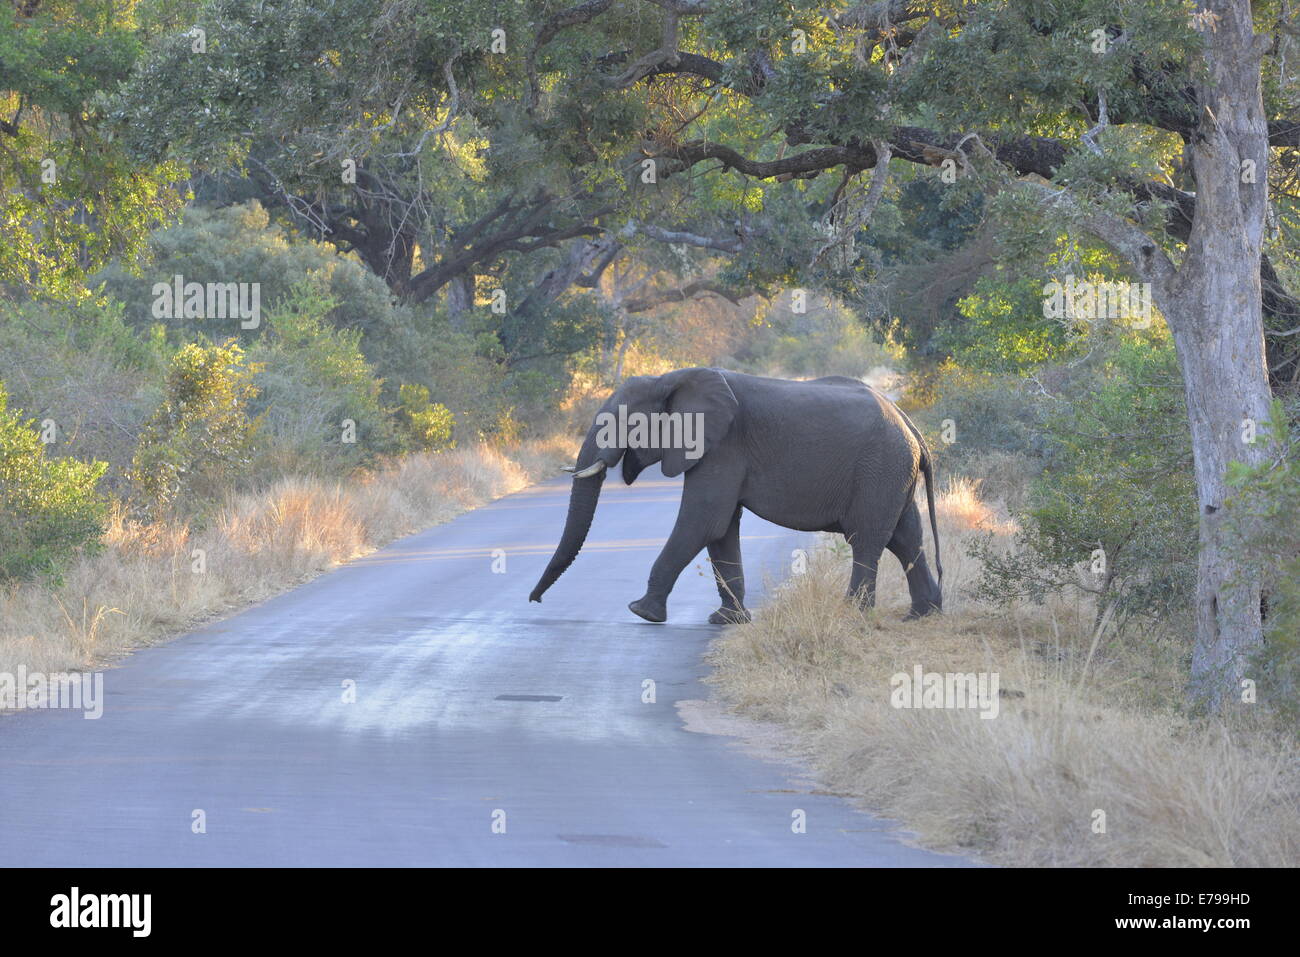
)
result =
(462, 370)
(1264, 515)
(51, 507)
(827, 339)
(242, 244)
(988, 413)
(1116, 494)
(81, 366)
(428, 424)
(311, 379)
(199, 440)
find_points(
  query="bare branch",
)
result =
(453, 105)
(1128, 240)
(731, 244)
(877, 189)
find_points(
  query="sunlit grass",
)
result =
(154, 580)
(1087, 723)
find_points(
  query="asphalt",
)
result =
(485, 731)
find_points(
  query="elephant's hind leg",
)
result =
(867, 549)
(907, 545)
(729, 572)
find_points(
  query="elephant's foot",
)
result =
(730, 616)
(650, 609)
(915, 613)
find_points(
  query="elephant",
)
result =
(830, 454)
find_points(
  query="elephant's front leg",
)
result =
(701, 520)
(729, 572)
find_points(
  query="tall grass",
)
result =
(155, 580)
(1088, 723)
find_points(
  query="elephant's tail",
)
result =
(927, 469)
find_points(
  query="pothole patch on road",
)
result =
(610, 840)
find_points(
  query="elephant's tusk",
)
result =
(595, 468)
(568, 468)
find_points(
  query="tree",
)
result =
(73, 198)
(1091, 100)
(394, 131)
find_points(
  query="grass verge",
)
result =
(1086, 723)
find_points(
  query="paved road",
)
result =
(469, 701)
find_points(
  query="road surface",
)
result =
(485, 731)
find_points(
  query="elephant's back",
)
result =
(843, 432)
(805, 413)
(819, 455)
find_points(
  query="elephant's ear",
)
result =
(704, 396)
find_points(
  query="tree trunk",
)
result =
(622, 356)
(1221, 351)
(460, 300)
(1217, 322)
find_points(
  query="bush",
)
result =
(462, 370)
(986, 413)
(461, 364)
(51, 507)
(429, 425)
(199, 440)
(241, 244)
(1004, 328)
(1264, 516)
(827, 339)
(311, 379)
(81, 366)
(1116, 494)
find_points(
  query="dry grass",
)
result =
(153, 581)
(1087, 722)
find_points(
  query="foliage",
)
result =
(312, 379)
(240, 243)
(80, 365)
(826, 338)
(462, 369)
(1116, 495)
(430, 424)
(199, 440)
(1005, 328)
(965, 413)
(1265, 516)
(51, 507)
(74, 199)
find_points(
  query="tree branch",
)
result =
(682, 293)
(731, 244)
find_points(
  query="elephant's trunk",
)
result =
(582, 508)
